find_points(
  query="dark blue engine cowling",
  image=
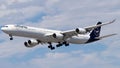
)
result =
(95, 33)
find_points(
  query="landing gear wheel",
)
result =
(11, 38)
(58, 45)
(66, 45)
(52, 48)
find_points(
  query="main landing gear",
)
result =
(65, 43)
(11, 38)
(50, 46)
(58, 45)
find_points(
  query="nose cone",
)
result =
(7, 29)
(3, 29)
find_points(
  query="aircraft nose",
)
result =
(3, 29)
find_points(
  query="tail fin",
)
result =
(95, 33)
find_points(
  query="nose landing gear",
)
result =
(11, 38)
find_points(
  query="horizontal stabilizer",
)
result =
(105, 36)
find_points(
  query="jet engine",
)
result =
(58, 35)
(31, 43)
(80, 31)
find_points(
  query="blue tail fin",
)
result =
(95, 33)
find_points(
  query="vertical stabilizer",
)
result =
(95, 33)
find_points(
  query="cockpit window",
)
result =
(20, 26)
(5, 26)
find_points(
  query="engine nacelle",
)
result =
(58, 35)
(31, 43)
(80, 30)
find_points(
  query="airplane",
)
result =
(42, 36)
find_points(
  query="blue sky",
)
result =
(60, 15)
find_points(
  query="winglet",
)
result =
(108, 22)
(111, 21)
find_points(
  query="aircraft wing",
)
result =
(70, 33)
(88, 29)
(105, 36)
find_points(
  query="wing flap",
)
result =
(69, 33)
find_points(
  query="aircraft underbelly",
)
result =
(79, 39)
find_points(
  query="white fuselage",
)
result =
(41, 34)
